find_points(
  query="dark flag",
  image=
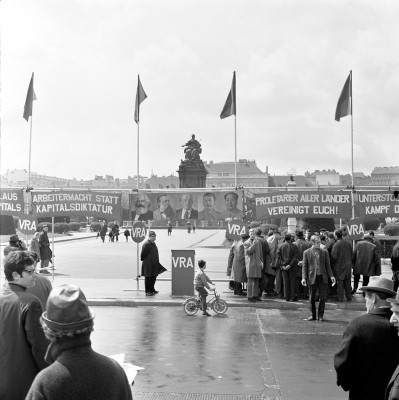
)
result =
(344, 106)
(140, 97)
(29, 100)
(230, 105)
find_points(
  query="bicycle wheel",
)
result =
(191, 306)
(219, 306)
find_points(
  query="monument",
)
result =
(192, 172)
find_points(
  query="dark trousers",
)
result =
(321, 288)
(203, 293)
(149, 283)
(279, 282)
(263, 283)
(344, 287)
(270, 283)
(356, 279)
(289, 283)
(237, 287)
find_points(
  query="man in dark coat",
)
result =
(287, 256)
(142, 211)
(341, 265)
(366, 261)
(264, 280)
(316, 271)
(76, 371)
(369, 350)
(22, 341)
(45, 251)
(151, 267)
(103, 230)
(392, 391)
(15, 243)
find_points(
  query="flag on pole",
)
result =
(344, 105)
(30, 96)
(230, 105)
(140, 97)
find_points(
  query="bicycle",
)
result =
(193, 304)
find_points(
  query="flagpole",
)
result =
(30, 146)
(235, 151)
(353, 185)
(138, 186)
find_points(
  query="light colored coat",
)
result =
(253, 258)
(239, 270)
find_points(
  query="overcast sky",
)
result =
(291, 59)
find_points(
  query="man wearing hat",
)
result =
(392, 391)
(366, 261)
(369, 350)
(45, 252)
(22, 341)
(75, 371)
(15, 243)
(151, 267)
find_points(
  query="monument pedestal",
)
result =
(192, 174)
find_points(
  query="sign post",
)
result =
(183, 262)
(235, 228)
(139, 232)
(355, 229)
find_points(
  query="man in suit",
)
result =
(369, 351)
(141, 206)
(186, 212)
(316, 271)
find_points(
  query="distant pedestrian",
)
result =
(316, 271)
(369, 350)
(395, 266)
(75, 371)
(115, 231)
(103, 230)
(169, 228)
(46, 254)
(151, 266)
(202, 281)
(22, 341)
(188, 226)
(127, 234)
(193, 227)
(111, 236)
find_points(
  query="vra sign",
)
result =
(235, 229)
(139, 232)
(355, 229)
(27, 224)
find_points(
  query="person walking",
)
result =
(169, 228)
(316, 271)
(150, 267)
(341, 265)
(45, 252)
(75, 371)
(369, 351)
(254, 265)
(127, 234)
(115, 231)
(103, 230)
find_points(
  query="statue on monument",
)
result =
(192, 149)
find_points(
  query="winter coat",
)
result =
(341, 260)
(287, 255)
(150, 258)
(45, 251)
(267, 261)
(78, 372)
(366, 260)
(273, 246)
(309, 266)
(230, 260)
(35, 247)
(103, 230)
(392, 391)
(238, 270)
(368, 355)
(253, 258)
(395, 257)
(22, 341)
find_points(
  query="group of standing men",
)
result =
(301, 266)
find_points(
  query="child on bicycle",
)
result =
(201, 281)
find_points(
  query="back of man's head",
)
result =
(17, 261)
(287, 237)
(338, 234)
(258, 232)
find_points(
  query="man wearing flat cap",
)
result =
(75, 371)
(366, 261)
(369, 350)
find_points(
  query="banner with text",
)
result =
(303, 204)
(78, 203)
(11, 201)
(378, 204)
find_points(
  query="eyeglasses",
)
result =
(30, 271)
